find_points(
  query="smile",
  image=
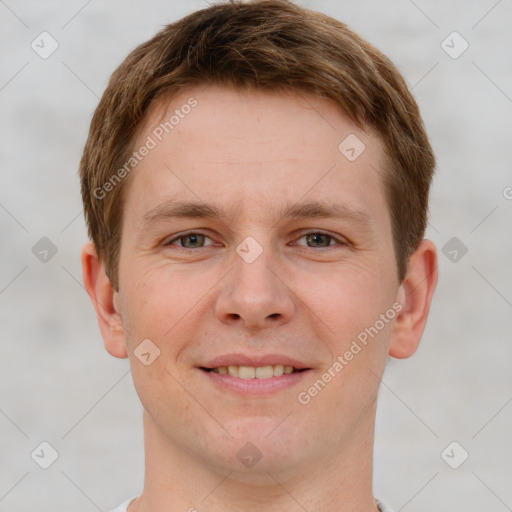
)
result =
(254, 372)
(255, 381)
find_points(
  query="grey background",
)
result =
(60, 386)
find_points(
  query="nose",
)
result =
(254, 296)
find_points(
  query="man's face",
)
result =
(298, 264)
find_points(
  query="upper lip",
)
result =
(253, 360)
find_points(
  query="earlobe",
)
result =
(415, 293)
(105, 300)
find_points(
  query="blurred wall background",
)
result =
(450, 401)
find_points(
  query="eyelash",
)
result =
(340, 242)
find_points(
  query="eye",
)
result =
(317, 239)
(314, 239)
(190, 241)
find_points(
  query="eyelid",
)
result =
(341, 240)
(167, 241)
(337, 238)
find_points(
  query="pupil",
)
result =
(191, 240)
(317, 239)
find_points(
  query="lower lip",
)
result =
(255, 386)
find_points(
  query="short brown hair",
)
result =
(265, 45)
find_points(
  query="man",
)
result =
(256, 184)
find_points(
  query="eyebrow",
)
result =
(198, 210)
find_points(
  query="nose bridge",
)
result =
(255, 295)
(252, 267)
(253, 276)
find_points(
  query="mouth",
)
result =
(255, 372)
(254, 375)
(255, 381)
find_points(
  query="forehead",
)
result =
(255, 148)
(265, 119)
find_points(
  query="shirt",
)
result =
(123, 507)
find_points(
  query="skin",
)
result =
(251, 154)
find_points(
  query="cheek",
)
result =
(159, 308)
(160, 298)
(348, 307)
(344, 300)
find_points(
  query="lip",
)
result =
(255, 387)
(253, 360)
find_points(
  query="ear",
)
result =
(415, 295)
(105, 300)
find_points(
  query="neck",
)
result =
(338, 481)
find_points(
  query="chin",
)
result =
(259, 445)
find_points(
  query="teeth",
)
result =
(246, 372)
(264, 372)
(279, 370)
(251, 372)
